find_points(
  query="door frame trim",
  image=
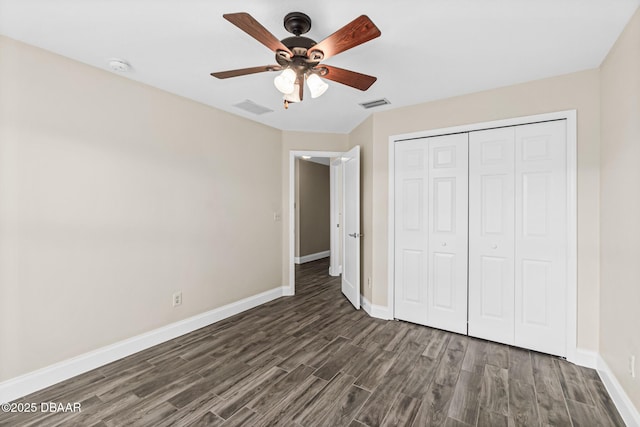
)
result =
(291, 289)
(572, 207)
(335, 263)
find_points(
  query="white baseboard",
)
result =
(586, 358)
(287, 291)
(377, 311)
(335, 272)
(365, 304)
(50, 375)
(594, 360)
(311, 257)
(625, 406)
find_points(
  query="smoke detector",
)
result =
(119, 65)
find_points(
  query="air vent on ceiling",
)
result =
(252, 107)
(376, 103)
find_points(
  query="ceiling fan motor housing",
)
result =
(298, 23)
(299, 46)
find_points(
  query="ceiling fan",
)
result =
(299, 57)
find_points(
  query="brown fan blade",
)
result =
(356, 32)
(347, 77)
(245, 71)
(249, 25)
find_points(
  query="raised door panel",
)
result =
(494, 283)
(412, 213)
(541, 230)
(412, 276)
(491, 234)
(411, 231)
(444, 277)
(447, 235)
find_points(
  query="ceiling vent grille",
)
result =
(252, 107)
(376, 103)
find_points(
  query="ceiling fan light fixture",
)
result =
(285, 82)
(316, 85)
(294, 95)
(299, 57)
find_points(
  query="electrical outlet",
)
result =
(177, 299)
(632, 366)
(277, 216)
(369, 282)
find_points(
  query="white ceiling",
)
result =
(428, 50)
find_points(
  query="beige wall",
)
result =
(312, 208)
(578, 91)
(301, 141)
(620, 208)
(363, 136)
(114, 195)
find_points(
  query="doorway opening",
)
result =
(315, 211)
(344, 217)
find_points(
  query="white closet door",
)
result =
(448, 197)
(541, 230)
(411, 231)
(491, 234)
(431, 232)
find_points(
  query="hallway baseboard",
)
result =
(312, 257)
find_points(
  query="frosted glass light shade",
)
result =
(294, 95)
(285, 82)
(316, 85)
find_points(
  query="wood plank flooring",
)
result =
(312, 360)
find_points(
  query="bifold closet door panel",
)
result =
(541, 236)
(411, 231)
(448, 223)
(491, 234)
(431, 178)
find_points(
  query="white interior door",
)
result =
(491, 234)
(447, 235)
(351, 220)
(431, 232)
(541, 230)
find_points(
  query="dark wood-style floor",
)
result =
(313, 360)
